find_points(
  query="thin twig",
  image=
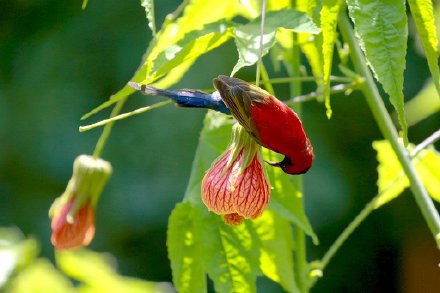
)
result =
(260, 54)
(428, 141)
(123, 116)
(340, 88)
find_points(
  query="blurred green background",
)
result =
(57, 62)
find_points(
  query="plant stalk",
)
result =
(293, 64)
(107, 129)
(388, 130)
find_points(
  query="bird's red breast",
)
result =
(273, 124)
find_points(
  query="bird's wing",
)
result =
(239, 96)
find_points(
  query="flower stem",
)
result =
(293, 63)
(428, 141)
(385, 124)
(340, 88)
(107, 129)
(123, 116)
(260, 54)
(318, 267)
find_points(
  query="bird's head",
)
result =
(297, 163)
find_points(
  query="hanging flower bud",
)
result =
(73, 213)
(236, 185)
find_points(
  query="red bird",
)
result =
(271, 122)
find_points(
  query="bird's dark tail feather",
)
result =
(185, 97)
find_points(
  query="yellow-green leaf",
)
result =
(381, 28)
(423, 15)
(40, 276)
(423, 105)
(329, 18)
(286, 198)
(392, 179)
(276, 258)
(184, 250)
(196, 15)
(247, 37)
(96, 272)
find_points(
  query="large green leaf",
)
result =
(232, 256)
(329, 19)
(381, 28)
(286, 198)
(392, 179)
(149, 11)
(247, 37)
(184, 250)
(196, 15)
(423, 15)
(423, 105)
(96, 273)
(276, 258)
(311, 45)
(40, 276)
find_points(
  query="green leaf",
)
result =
(192, 49)
(247, 37)
(237, 255)
(40, 276)
(329, 18)
(423, 15)
(196, 15)
(149, 11)
(276, 258)
(16, 252)
(184, 250)
(311, 45)
(423, 105)
(392, 179)
(97, 273)
(286, 198)
(233, 263)
(214, 138)
(381, 28)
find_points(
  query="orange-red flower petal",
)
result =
(79, 233)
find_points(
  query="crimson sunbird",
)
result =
(271, 122)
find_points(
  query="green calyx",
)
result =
(242, 142)
(88, 180)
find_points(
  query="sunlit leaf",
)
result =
(214, 138)
(96, 273)
(234, 255)
(237, 255)
(247, 37)
(381, 28)
(16, 252)
(423, 15)
(40, 276)
(184, 250)
(149, 11)
(286, 198)
(276, 258)
(423, 105)
(329, 18)
(392, 180)
(196, 14)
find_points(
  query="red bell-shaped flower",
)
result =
(77, 233)
(73, 213)
(236, 185)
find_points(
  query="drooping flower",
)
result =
(73, 213)
(236, 185)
